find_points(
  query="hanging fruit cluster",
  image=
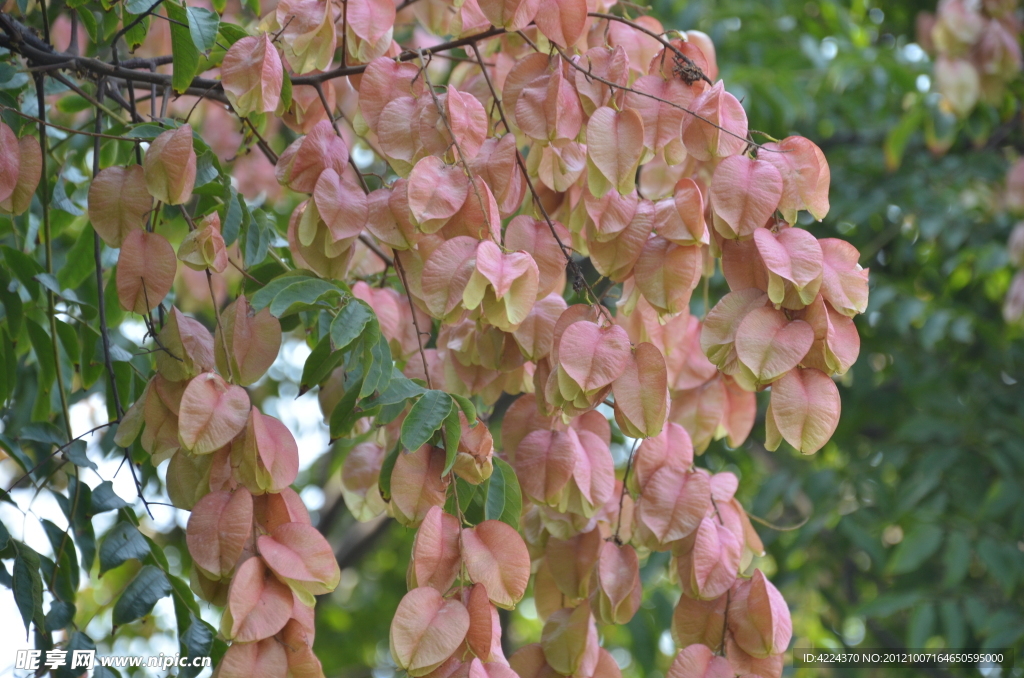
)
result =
(537, 221)
(253, 547)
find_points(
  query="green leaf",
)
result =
(1002, 560)
(79, 643)
(49, 282)
(400, 388)
(388, 413)
(14, 310)
(889, 603)
(954, 624)
(319, 364)
(230, 34)
(424, 418)
(378, 373)
(344, 416)
(5, 537)
(72, 103)
(148, 130)
(42, 433)
(122, 543)
(183, 595)
(349, 323)
(105, 499)
(135, 35)
(185, 55)
(452, 435)
(461, 497)
(80, 262)
(139, 6)
(27, 585)
(197, 641)
(156, 555)
(206, 168)
(76, 452)
(257, 238)
(24, 267)
(920, 543)
(922, 625)
(67, 568)
(286, 91)
(227, 35)
(59, 199)
(898, 137)
(232, 218)
(43, 347)
(467, 406)
(139, 597)
(301, 295)
(7, 383)
(262, 297)
(386, 467)
(59, 616)
(956, 558)
(504, 498)
(69, 340)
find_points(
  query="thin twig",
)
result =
(372, 246)
(672, 104)
(135, 22)
(58, 451)
(490, 86)
(570, 263)
(451, 132)
(69, 130)
(244, 272)
(85, 95)
(220, 328)
(330, 116)
(416, 323)
(262, 143)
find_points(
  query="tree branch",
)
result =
(21, 40)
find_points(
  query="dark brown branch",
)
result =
(415, 322)
(404, 56)
(372, 246)
(58, 451)
(21, 40)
